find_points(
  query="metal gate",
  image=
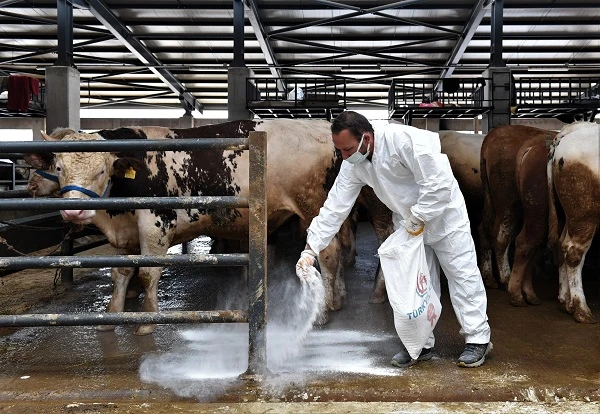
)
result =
(255, 315)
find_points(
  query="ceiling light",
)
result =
(561, 68)
(373, 68)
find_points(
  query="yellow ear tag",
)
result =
(130, 173)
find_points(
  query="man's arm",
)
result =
(339, 202)
(432, 173)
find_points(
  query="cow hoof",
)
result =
(144, 330)
(105, 328)
(322, 319)
(337, 304)
(584, 317)
(517, 300)
(532, 300)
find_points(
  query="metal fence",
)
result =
(255, 259)
(317, 98)
(558, 91)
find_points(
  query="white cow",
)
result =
(574, 198)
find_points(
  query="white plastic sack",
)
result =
(411, 285)
(296, 94)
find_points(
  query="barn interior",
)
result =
(461, 65)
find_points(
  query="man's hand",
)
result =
(414, 226)
(307, 259)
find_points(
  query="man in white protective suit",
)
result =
(408, 173)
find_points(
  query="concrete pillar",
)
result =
(37, 125)
(236, 91)
(497, 91)
(62, 98)
(186, 121)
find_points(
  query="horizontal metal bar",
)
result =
(14, 194)
(187, 260)
(122, 318)
(124, 203)
(187, 144)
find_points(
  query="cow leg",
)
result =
(503, 230)
(559, 260)
(151, 243)
(575, 248)
(149, 277)
(485, 257)
(383, 229)
(530, 240)
(330, 261)
(120, 277)
(348, 239)
(525, 250)
(379, 294)
(135, 287)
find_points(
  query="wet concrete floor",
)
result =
(541, 359)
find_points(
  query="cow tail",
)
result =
(554, 227)
(487, 215)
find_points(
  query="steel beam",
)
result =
(238, 33)
(7, 3)
(350, 50)
(263, 41)
(467, 34)
(121, 32)
(496, 60)
(55, 49)
(64, 20)
(42, 20)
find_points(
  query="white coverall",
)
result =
(409, 174)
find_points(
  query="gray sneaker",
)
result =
(474, 355)
(403, 359)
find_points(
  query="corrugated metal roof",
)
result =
(189, 34)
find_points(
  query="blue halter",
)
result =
(47, 175)
(85, 191)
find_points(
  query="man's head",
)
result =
(347, 132)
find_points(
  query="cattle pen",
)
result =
(255, 316)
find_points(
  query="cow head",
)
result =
(43, 180)
(83, 175)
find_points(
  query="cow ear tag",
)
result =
(130, 173)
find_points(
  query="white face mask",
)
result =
(358, 157)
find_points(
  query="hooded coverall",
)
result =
(409, 174)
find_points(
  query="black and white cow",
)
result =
(294, 187)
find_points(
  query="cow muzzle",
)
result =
(78, 216)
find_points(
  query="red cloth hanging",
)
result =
(19, 91)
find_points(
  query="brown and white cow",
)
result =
(293, 188)
(574, 199)
(513, 168)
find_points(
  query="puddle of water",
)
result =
(213, 356)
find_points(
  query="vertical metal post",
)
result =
(238, 33)
(496, 60)
(257, 267)
(65, 33)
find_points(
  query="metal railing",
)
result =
(255, 259)
(440, 93)
(300, 91)
(564, 91)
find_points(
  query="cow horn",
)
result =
(47, 137)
